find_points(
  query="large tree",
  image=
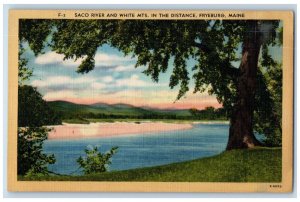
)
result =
(216, 47)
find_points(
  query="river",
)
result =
(142, 150)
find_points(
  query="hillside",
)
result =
(68, 108)
(118, 109)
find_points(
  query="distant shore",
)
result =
(114, 120)
(70, 131)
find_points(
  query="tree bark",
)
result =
(241, 133)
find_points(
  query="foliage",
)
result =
(268, 112)
(33, 114)
(31, 160)
(209, 113)
(95, 161)
(253, 165)
(33, 110)
(24, 72)
(35, 33)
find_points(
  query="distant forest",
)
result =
(69, 111)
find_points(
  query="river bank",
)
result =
(100, 129)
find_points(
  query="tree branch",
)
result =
(230, 70)
(227, 69)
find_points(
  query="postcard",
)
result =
(150, 101)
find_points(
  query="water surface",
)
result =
(142, 150)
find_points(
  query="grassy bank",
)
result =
(253, 165)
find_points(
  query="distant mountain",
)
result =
(65, 107)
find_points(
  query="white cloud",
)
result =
(122, 68)
(134, 81)
(54, 58)
(91, 83)
(62, 80)
(107, 79)
(59, 95)
(101, 59)
(97, 85)
(70, 62)
(49, 58)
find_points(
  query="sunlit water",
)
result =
(142, 150)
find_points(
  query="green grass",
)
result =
(253, 165)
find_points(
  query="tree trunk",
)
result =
(241, 124)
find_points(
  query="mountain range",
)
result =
(115, 109)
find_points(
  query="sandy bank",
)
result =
(68, 131)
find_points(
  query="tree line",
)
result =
(209, 113)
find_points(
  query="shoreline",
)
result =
(177, 121)
(101, 129)
(210, 122)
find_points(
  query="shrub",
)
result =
(31, 160)
(95, 161)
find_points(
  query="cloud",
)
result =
(60, 95)
(107, 79)
(135, 81)
(85, 85)
(62, 80)
(122, 68)
(78, 85)
(51, 58)
(97, 85)
(101, 59)
(157, 98)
